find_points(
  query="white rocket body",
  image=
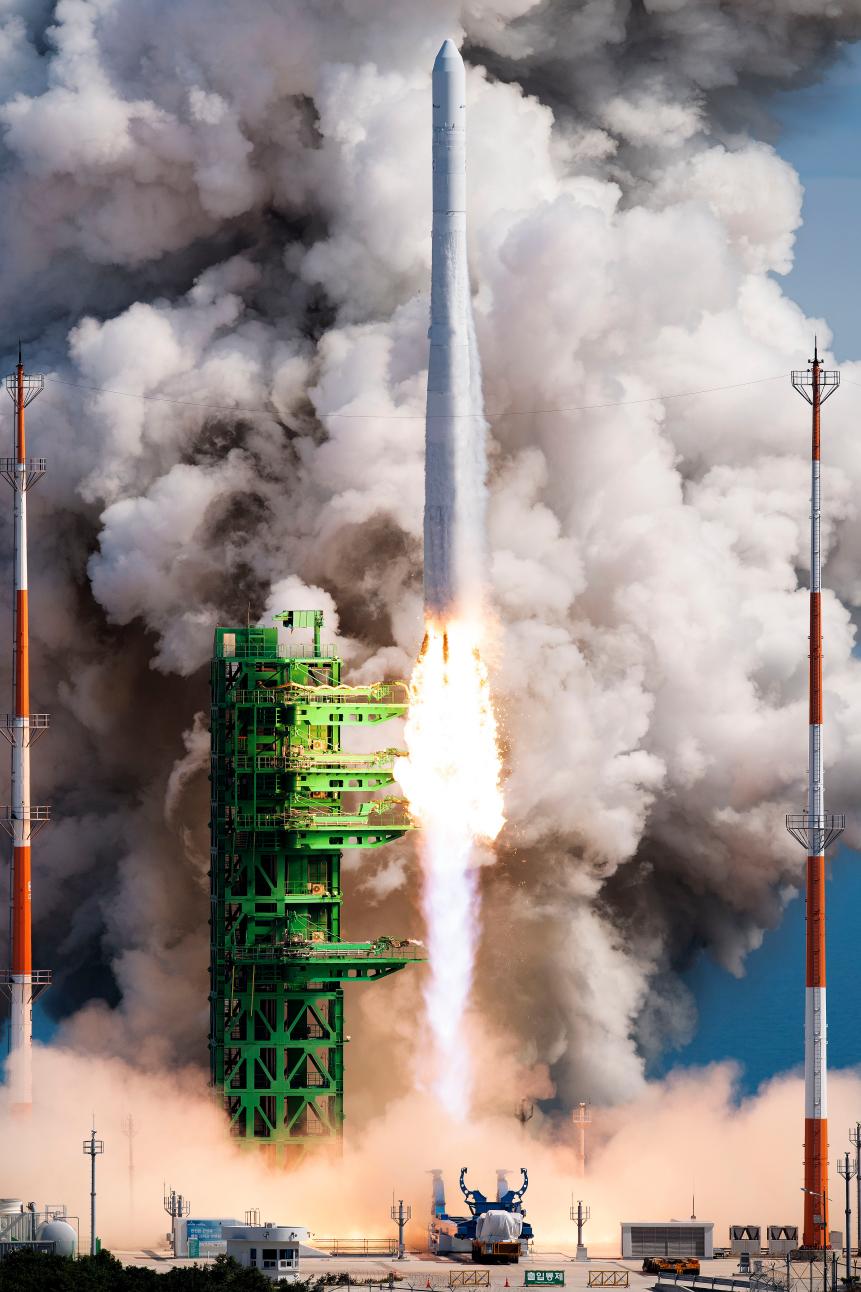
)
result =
(454, 445)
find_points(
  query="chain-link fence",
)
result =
(407, 1282)
(783, 1274)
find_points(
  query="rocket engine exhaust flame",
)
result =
(451, 779)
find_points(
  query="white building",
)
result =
(274, 1249)
(668, 1238)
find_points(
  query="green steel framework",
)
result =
(279, 823)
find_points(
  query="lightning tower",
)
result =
(21, 819)
(815, 829)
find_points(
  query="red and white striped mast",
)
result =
(815, 829)
(21, 819)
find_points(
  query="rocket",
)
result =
(455, 427)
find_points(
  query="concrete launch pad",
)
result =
(413, 1274)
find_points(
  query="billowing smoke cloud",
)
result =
(685, 1135)
(224, 215)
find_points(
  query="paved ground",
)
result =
(416, 1271)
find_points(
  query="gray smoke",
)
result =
(215, 205)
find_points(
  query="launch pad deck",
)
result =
(413, 1274)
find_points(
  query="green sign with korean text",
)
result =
(544, 1278)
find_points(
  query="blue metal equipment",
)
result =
(498, 1237)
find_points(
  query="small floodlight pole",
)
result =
(93, 1147)
(176, 1205)
(815, 830)
(581, 1214)
(582, 1117)
(855, 1138)
(846, 1168)
(401, 1215)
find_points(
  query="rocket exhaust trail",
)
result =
(21, 819)
(451, 776)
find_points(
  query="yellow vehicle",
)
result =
(496, 1252)
(671, 1265)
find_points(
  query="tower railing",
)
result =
(815, 833)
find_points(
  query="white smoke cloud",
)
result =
(208, 207)
(179, 1139)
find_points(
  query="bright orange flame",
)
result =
(451, 778)
(453, 768)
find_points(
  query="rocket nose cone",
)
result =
(448, 52)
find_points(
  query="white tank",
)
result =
(61, 1234)
(498, 1227)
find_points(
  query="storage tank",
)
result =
(61, 1234)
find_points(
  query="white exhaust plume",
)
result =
(212, 211)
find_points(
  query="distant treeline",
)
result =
(29, 1271)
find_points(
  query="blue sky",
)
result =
(758, 1020)
(820, 138)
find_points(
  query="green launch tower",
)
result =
(286, 800)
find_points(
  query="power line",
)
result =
(414, 417)
(160, 399)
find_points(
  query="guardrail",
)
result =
(358, 1247)
(700, 1281)
(309, 762)
(384, 693)
(326, 951)
(713, 1280)
(333, 761)
(392, 814)
(38, 977)
(291, 650)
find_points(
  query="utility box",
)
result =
(745, 1239)
(782, 1239)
